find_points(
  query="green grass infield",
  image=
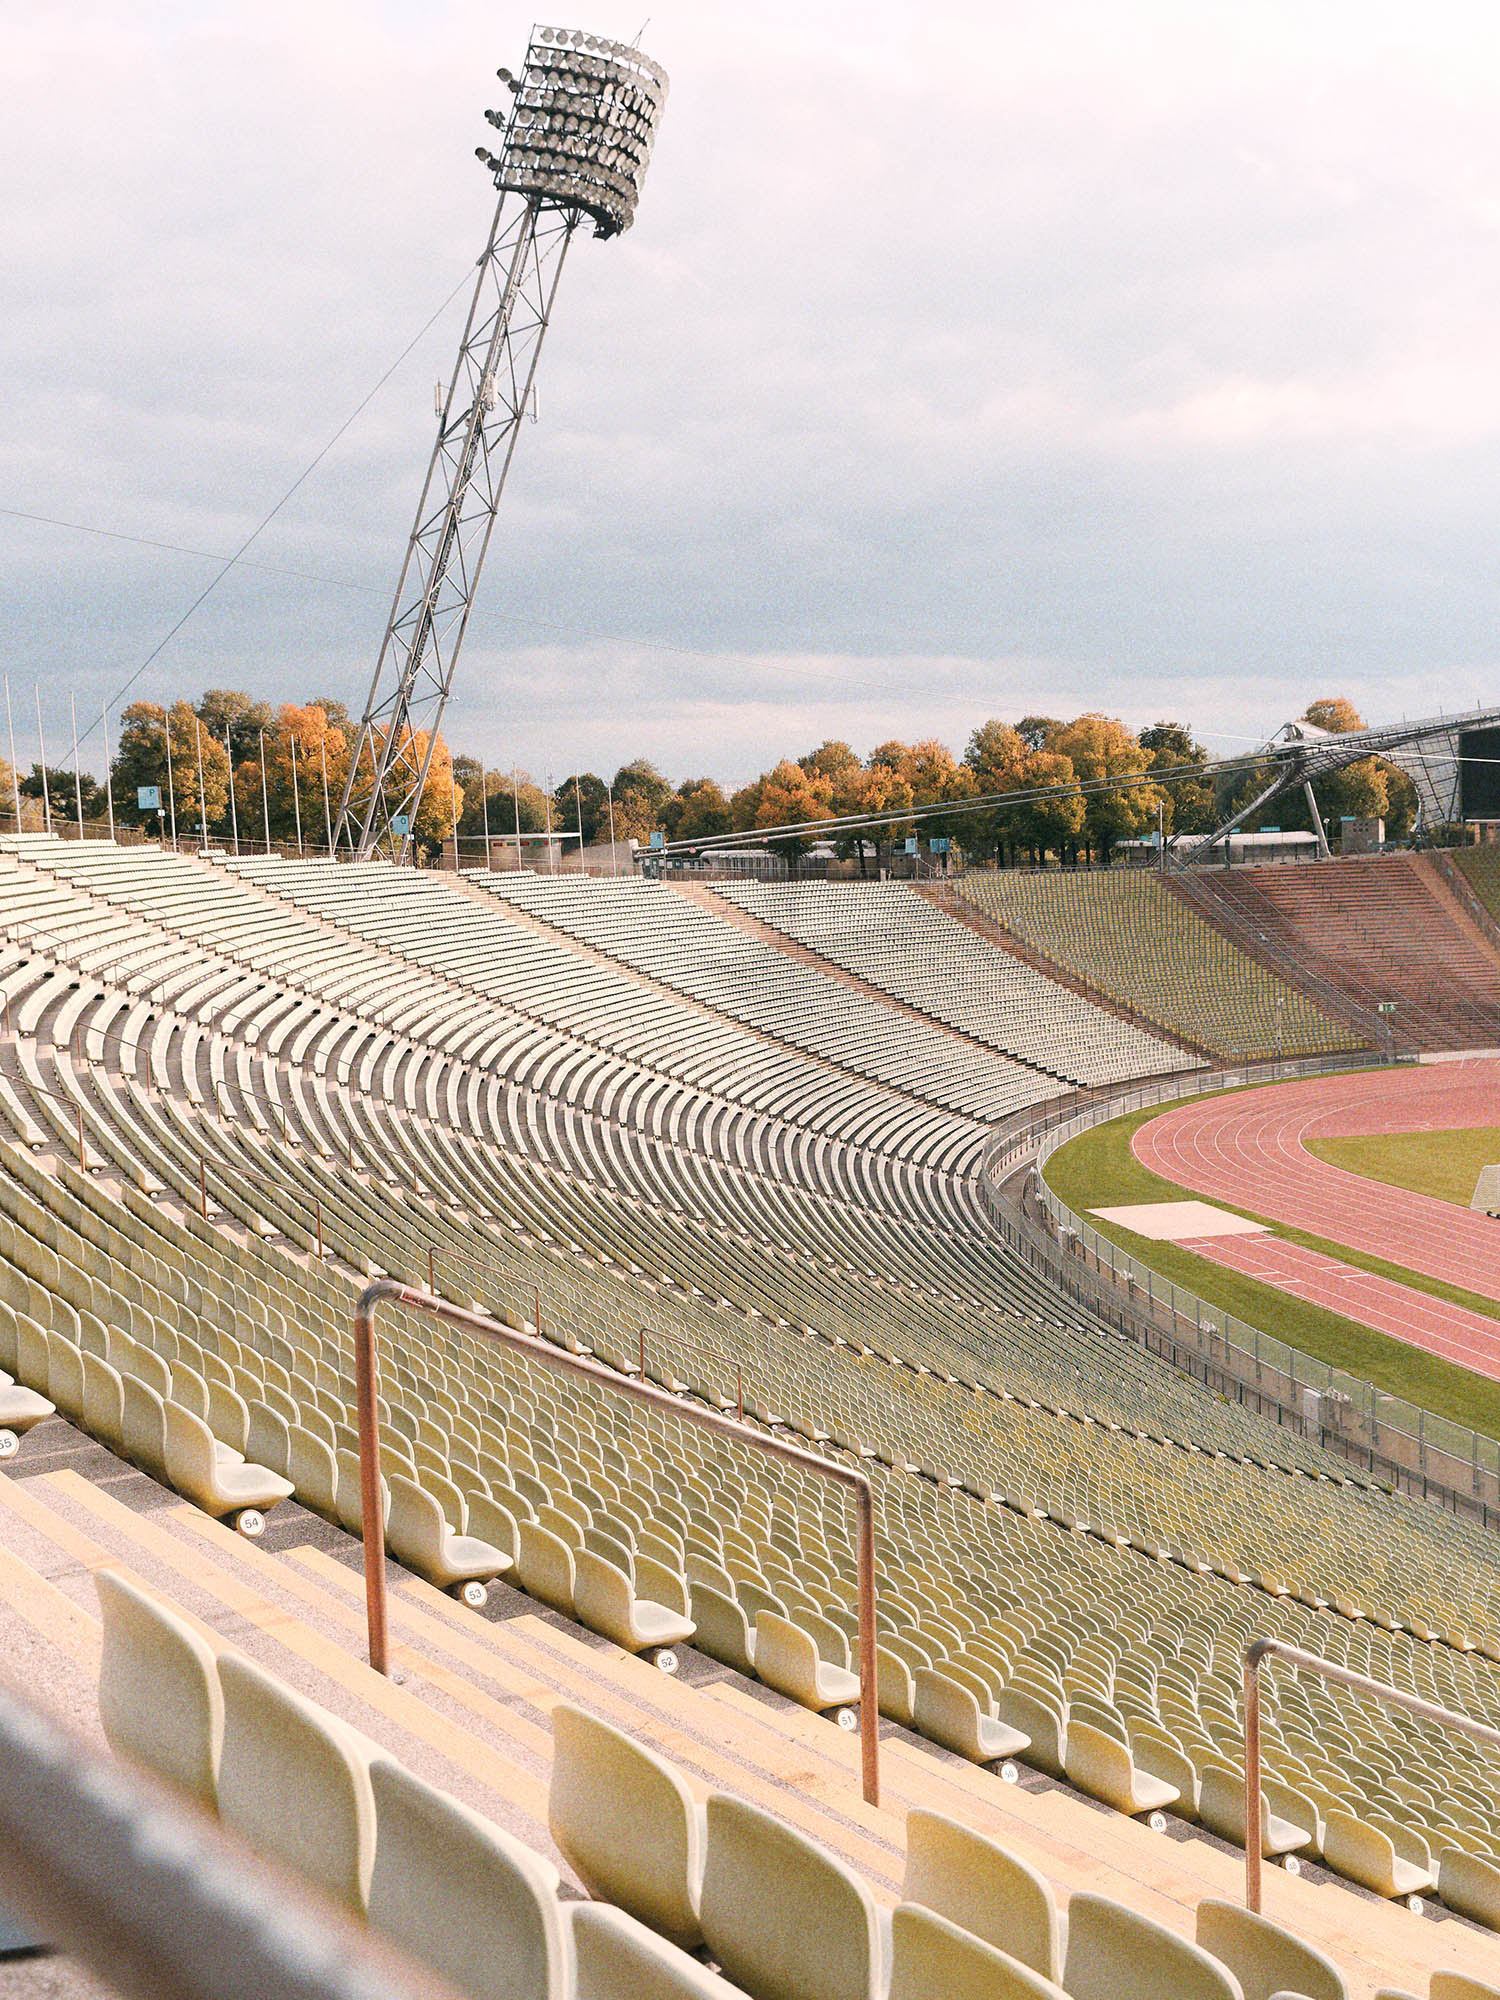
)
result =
(1098, 1170)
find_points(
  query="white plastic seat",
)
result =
(1263, 1957)
(294, 1782)
(787, 1659)
(462, 1896)
(160, 1702)
(604, 1599)
(420, 1537)
(933, 1959)
(198, 1467)
(1116, 1954)
(950, 1714)
(782, 1916)
(627, 1824)
(985, 1889)
(617, 1958)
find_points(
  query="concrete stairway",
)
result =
(470, 1709)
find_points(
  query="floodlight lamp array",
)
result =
(581, 126)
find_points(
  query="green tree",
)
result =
(591, 794)
(222, 710)
(697, 810)
(1188, 803)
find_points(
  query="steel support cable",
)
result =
(270, 515)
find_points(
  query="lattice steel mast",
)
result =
(576, 144)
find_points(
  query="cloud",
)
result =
(965, 361)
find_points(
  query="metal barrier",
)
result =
(1330, 1670)
(1395, 1442)
(372, 1510)
(156, 1898)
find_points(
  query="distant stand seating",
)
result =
(1379, 928)
(1126, 934)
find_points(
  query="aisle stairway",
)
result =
(471, 1705)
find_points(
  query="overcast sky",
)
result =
(964, 361)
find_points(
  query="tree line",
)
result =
(228, 764)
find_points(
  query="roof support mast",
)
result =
(576, 144)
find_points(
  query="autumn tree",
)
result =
(697, 810)
(1101, 747)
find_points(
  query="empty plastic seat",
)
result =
(950, 1714)
(462, 1896)
(420, 1537)
(294, 1782)
(933, 1959)
(160, 1701)
(1382, 1858)
(605, 1599)
(1221, 1807)
(1470, 1884)
(616, 1958)
(784, 1919)
(627, 1824)
(984, 1888)
(21, 1410)
(1103, 1767)
(787, 1659)
(198, 1468)
(1116, 1954)
(1265, 1958)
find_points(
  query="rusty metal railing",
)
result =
(1330, 1670)
(372, 1508)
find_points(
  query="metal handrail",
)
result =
(372, 1510)
(1330, 1670)
(156, 1897)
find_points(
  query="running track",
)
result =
(1248, 1150)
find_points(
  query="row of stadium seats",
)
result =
(893, 938)
(668, 1875)
(454, 976)
(673, 940)
(1160, 1704)
(1075, 1543)
(1382, 929)
(1129, 935)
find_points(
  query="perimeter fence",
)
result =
(1397, 1443)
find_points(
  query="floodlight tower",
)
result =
(575, 143)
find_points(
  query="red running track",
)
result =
(1248, 1150)
(1465, 1337)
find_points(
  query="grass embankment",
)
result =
(1098, 1170)
(1443, 1164)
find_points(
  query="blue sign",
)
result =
(401, 825)
(939, 844)
(911, 843)
(148, 798)
(658, 838)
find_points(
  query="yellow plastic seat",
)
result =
(627, 1824)
(462, 1896)
(781, 1915)
(294, 1782)
(604, 1599)
(931, 1957)
(1265, 1958)
(160, 1702)
(787, 1659)
(420, 1537)
(984, 1888)
(219, 1485)
(1104, 1768)
(617, 1958)
(1116, 1954)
